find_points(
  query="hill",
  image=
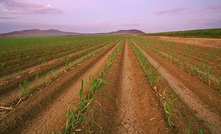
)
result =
(53, 32)
(37, 32)
(131, 31)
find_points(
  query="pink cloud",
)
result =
(205, 21)
(213, 7)
(7, 18)
(179, 10)
(12, 7)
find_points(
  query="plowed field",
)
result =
(110, 84)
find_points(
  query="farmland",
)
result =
(200, 33)
(109, 84)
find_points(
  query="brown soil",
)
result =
(209, 42)
(53, 99)
(12, 98)
(30, 73)
(196, 41)
(126, 103)
(206, 102)
(189, 56)
(15, 65)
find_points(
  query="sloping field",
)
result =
(109, 84)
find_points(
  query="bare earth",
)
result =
(195, 41)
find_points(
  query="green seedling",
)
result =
(45, 79)
(151, 74)
(2, 64)
(200, 132)
(219, 82)
(157, 80)
(168, 107)
(8, 78)
(189, 128)
(76, 116)
(67, 62)
(70, 120)
(36, 77)
(24, 88)
(207, 76)
(53, 71)
(96, 84)
(164, 92)
(195, 70)
(81, 91)
(211, 52)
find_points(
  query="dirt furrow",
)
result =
(212, 118)
(192, 65)
(39, 70)
(127, 113)
(41, 81)
(53, 118)
(127, 103)
(9, 70)
(23, 115)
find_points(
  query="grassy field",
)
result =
(201, 33)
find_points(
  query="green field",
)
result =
(201, 33)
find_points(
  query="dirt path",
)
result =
(212, 119)
(127, 102)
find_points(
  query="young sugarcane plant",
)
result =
(219, 82)
(45, 79)
(207, 76)
(24, 88)
(75, 116)
(168, 109)
(36, 77)
(151, 74)
(164, 92)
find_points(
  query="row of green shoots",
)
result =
(153, 79)
(76, 115)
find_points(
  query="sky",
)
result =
(98, 16)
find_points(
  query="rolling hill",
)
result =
(53, 32)
(38, 32)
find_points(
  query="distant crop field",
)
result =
(204, 33)
(110, 84)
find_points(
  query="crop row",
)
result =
(40, 53)
(16, 90)
(205, 67)
(52, 85)
(44, 79)
(171, 104)
(76, 115)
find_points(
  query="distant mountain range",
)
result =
(37, 32)
(53, 32)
